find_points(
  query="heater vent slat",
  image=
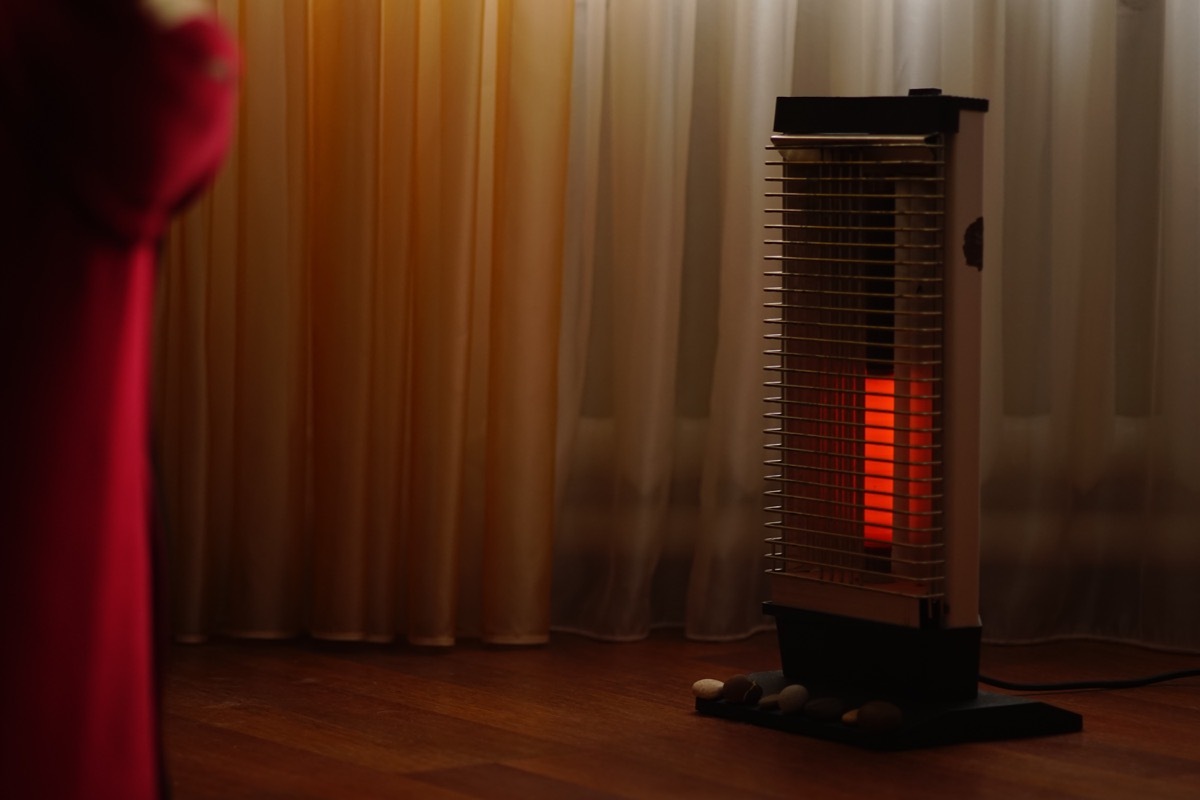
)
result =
(802, 394)
(913, 383)
(934, 314)
(785, 551)
(884, 584)
(867, 313)
(801, 387)
(819, 178)
(787, 450)
(853, 196)
(781, 542)
(847, 158)
(862, 359)
(801, 486)
(925, 550)
(871, 154)
(811, 553)
(925, 326)
(916, 450)
(851, 342)
(864, 215)
(912, 393)
(856, 440)
(780, 226)
(849, 162)
(834, 243)
(839, 325)
(851, 407)
(803, 494)
(783, 449)
(862, 261)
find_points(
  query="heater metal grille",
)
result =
(857, 343)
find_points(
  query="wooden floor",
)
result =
(584, 719)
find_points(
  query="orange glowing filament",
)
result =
(879, 459)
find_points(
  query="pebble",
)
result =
(708, 688)
(850, 717)
(792, 698)
(768, 702)
(824, 709)
(880, 716)
(740, 689)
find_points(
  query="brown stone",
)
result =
(742, 690)
(880, 716)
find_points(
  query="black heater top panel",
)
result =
(923, 111)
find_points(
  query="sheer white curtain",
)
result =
(1090, 452)
(661, 466)
(1091, 514)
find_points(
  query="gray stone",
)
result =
(792, 699)
(708, 688)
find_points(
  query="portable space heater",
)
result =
(877, 237)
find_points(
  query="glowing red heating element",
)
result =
(896, 466)
(879, 457)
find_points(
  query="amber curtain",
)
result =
(356, 381)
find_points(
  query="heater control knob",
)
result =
(973, 244)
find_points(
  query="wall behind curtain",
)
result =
(1091, 511)
(359, 328)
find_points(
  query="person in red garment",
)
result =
(112, 114)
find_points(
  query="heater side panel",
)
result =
(963, 284)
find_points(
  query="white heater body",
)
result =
(876, 237)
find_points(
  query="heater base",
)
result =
(823, 649)
(986, 717)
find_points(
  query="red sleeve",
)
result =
(123, 119)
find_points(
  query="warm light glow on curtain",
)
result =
(359, 333)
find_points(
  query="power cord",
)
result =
(1127, 683)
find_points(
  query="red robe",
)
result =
(107, 124)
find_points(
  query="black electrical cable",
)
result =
(1127, 683)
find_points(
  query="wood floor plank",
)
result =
(212, 762)
(633, 773)
(387, 727)
(505, 782)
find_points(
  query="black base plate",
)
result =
(985, 717)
